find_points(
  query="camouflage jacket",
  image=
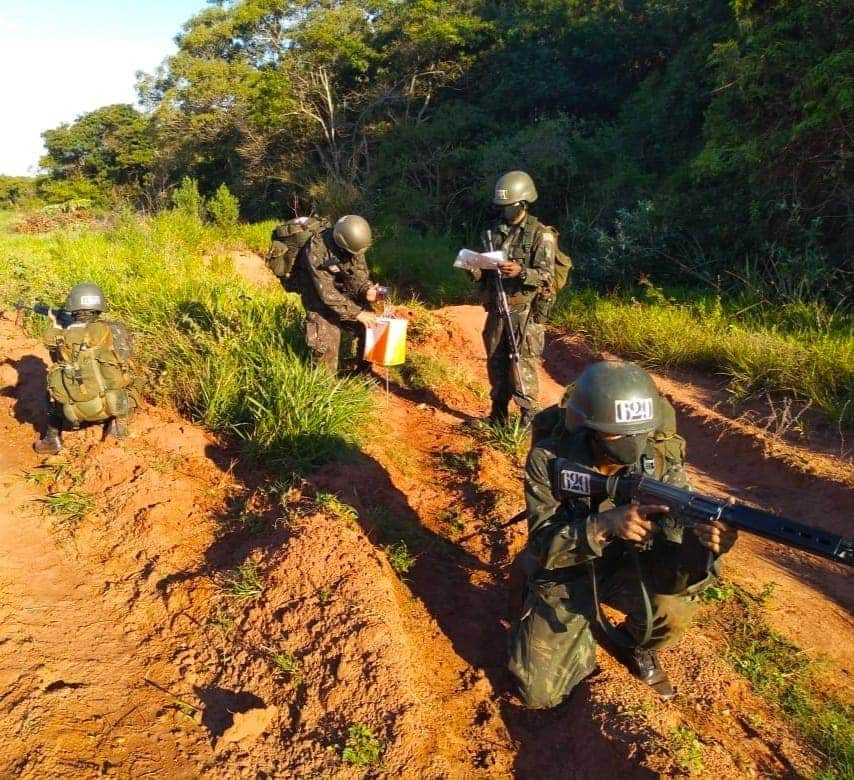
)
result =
(564, 535)
(531, 245)
(331, 281)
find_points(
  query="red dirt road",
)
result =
(124, 655)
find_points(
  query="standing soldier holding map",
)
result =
(526, 277)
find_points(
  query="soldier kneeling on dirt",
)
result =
(91, 378)
(614, 421)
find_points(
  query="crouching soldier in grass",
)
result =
(91, 379)
(579, 554)
(332, 278)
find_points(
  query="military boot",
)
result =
(118, 428)
(498, 413)
(49, 444)
(644, 665)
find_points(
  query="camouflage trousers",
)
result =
(552, 647)
(529, 337)
(324, 336)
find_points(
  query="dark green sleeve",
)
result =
(541, 264)
(322, 267)
(560, 534)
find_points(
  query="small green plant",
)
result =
(399, 557)
(334, 506)
(73, 506)
(324, 596)
(362, 747)
(688, 749)
(463, 462)
(222, 621)
(51, 473)
(244, 583)
(187, 710)
(510, 437)
(187, 199)
(454, 520)
(286, 666)
(764, 595)
(717, 593)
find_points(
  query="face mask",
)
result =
(625, 450)
(511, 213)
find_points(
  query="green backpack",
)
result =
(563, 265)
(92, 374)
(287, 239)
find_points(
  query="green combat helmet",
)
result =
(352, 233)
(85, 297)
(514, 187)
(618, 398)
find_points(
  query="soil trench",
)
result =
(124, 653)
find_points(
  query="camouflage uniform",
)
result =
(532, 246)
(551, 646)
(333, 284)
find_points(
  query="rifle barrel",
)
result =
(689, 509)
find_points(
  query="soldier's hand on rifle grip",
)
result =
(509, 269)
(630, 522)
(716, 536)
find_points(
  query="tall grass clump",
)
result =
(789, 350)
(226, 354)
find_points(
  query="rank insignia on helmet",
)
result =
(501, 194)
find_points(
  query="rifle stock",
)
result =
(688, 509)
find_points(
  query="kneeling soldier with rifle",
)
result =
(611, 518)
(582, 549)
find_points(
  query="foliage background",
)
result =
(688, 140)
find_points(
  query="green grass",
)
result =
(791, 350)
(222, 352)
(510, 437)
(688, 749)
(783, 675)
(332, 505)
(362, 747)
(242, 584)
(70, 505)
(419, 264)
(399, 556)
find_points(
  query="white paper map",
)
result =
(487, 261)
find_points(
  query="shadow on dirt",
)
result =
(424, 396)
(443, 577)
(220, 705)
(30, 392)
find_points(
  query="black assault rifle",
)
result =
(688, 509)
(504, 312)
(59, 317)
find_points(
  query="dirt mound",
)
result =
(205, 617)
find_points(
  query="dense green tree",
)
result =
(110, 147)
